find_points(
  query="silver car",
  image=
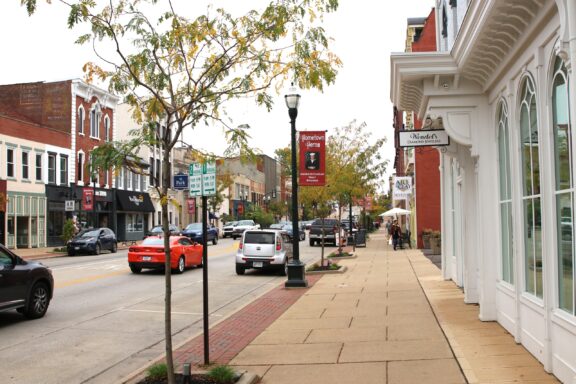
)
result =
(263, 249)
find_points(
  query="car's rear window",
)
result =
(259, 238)
(153, 241)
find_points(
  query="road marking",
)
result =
(90, 279)
(174, 313)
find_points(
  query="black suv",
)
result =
(24, 285)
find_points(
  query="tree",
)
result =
(183, 72)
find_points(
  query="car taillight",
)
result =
(279, 245)
(240, 245)
(131, 249)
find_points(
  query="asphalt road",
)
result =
(105, 322)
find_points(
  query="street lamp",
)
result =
(295, 268)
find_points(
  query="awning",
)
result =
(134, 201)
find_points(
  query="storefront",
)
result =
(133, 209)
(56, 197)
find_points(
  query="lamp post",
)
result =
(296, 278)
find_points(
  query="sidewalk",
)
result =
(389, 319)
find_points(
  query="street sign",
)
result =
(180, 182)
(69, 205)
(202, 179)
(195, 186)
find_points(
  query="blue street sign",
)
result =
(180, 182)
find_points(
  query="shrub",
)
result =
(222, 374)
(158, 371)
(68, 231)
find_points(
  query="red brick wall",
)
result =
(427, 159)
(33, 132)
(46, 104)
(85, 142)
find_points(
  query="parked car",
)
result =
(331, 226)
(150, 254)
(289, 232)
(261, 249)
(277, 226)
(228, 228)
(306, 224)
(93, 240)
(244, 225)
(25, 286)
(158, 231)
(194, 232)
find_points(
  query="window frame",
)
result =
(38, 167)
(52, 171)
(10, 169)
(81, 120)
(63, 169)
(25, 165)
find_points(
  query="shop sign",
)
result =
(136, 199)
(69, 205)
(312, 170)
(402, 187)
(423, 138)
(180, 182)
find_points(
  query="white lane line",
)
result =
(174, 313)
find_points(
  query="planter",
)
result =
(426, 240)
(435, 245)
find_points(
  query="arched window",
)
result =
(95, 114)
(107, 128)
(531, 198)
(505, 195)
(81, 118)
(564, 186)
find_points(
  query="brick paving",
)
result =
(232, 335)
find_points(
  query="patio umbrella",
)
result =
(394, 212)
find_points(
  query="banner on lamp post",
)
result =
(312, 158)
(87, 199)
(402, 187)
(191, 206)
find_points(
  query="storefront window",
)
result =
(134, 222)
(506, 232)
(564, 187)
(531, 189)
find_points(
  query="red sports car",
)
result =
(150, 254)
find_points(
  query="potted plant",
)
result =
(435, 242)
(426, 232)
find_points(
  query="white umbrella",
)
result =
(395, 212)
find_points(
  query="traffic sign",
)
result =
(202, 179)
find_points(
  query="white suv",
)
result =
(244, 225)
(263, 249)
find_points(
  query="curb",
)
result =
(353, 256)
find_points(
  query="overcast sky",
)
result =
(365, 32)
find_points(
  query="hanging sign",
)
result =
(423, 138)
(191, 206)
(402, 187)
(312, 158)
(180, 182)
(87, 199)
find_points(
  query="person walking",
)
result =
(396, 235)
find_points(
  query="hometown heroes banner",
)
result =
(312, 158)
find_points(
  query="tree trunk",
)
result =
(167, 265)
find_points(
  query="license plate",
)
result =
(76, 248)
(258, 264)
(146, 258)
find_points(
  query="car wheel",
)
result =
(38, 301)
(311, 242)
(71, 253)
(240, 269)
(181, 265)
(135, 268)
(233, 237)
(98, 249)
(283, 271)
(114, 247)
(215, 240)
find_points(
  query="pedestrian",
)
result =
(396, 235)
(388, 229)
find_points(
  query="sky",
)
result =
(364, 33)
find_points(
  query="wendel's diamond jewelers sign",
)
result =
(422, 138)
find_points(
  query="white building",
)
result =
(503, 86)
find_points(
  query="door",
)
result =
(12, 281)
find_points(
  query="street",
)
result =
(105, 322)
